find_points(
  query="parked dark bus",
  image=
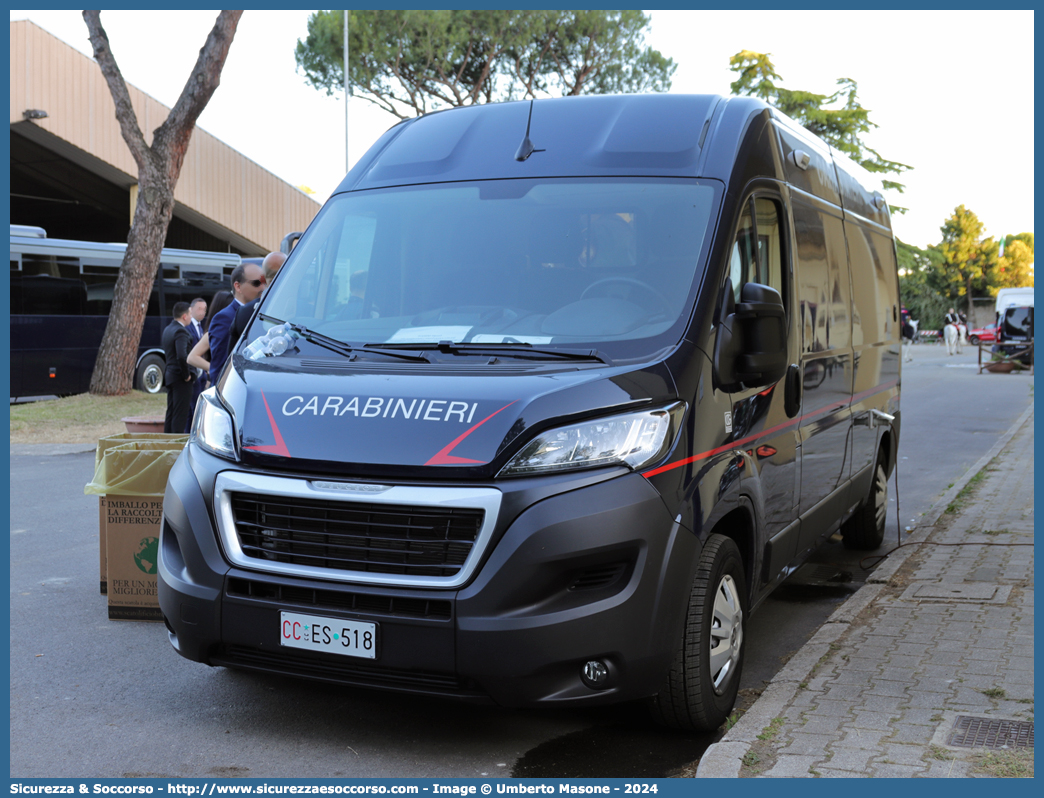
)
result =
(61, 296)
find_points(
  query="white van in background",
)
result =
(1006, 297)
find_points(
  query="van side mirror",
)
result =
(752, 338)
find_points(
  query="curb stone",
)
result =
(724, 759)
(47, 449)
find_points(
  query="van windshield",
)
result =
(593, 263)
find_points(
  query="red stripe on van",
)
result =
(739, 444)
(443, 456)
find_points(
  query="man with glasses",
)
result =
(247, 284)
(269, 267)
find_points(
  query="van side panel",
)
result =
(826, 363)
(819, 178)
(875, 339)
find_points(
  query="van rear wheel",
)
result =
(700, 687)
(865, 530)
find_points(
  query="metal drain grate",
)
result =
(971, 732)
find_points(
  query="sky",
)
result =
(951, 91)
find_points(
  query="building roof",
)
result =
(220, 191)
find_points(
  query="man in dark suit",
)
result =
(269, 267)
(197, 312)
(178, 377)
(247, 284)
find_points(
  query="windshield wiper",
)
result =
(516, 349)
(342, 348)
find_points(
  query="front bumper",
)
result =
(577, 568)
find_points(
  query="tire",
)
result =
(864, 531)
(974, 340)
(149, 375)
(700, 687)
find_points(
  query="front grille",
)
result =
(341, 671)
(340, 600)
(355, 536)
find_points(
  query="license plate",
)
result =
(331, 635)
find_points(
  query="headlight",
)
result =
(212, 426)
(633, 439)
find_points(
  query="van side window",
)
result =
(757, 253)
(743, 263)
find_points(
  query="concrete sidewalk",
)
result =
(927, 671)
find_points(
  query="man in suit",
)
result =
(178, 376)
(247, 284)
(197, 312)
(269, 267)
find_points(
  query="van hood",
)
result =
(426, 420)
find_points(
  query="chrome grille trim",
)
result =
(230, 482)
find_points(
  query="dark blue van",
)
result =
(548, 397)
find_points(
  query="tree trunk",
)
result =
(159, 166)
(118, 354)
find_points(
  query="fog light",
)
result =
(595, 674)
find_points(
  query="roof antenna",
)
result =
(525, 149)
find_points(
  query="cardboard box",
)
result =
(132, 552)
(104, 445)
(130, 479)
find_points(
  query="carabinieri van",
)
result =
(547, 398)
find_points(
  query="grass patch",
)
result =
(995, 532)
(994, 692)
(81, 418)
(1016, 764)
(772, 729)
(937, 752)
(957, 505)
(751, 760)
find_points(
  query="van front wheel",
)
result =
(865, 530)
(700, 688)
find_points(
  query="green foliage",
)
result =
(838, 118)
(1015, 266)
(414, 61)
(924, 302)
(962, 265)
(967, 259)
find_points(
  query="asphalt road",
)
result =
(97, 698)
